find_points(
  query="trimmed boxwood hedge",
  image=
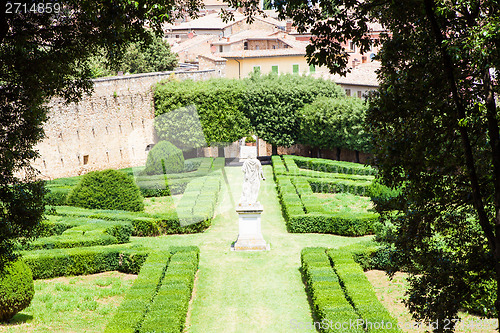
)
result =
(360, 292)
(108, 189)
(329, 303)
(158, 300)
(46, 264)
(331, 166)
(341, 293)
(304, 213)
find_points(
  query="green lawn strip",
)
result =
(333, 311)
(360, 292)
(72, 304)
(248, 291)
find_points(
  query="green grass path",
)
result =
(248, 291)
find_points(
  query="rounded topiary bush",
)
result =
(164, 158)
(108, 189)
(16, 289)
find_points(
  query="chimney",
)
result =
(288, 27)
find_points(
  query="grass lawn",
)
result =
(72, 304)
(234, 291)
(248, 291)
(392, 293)
(344, 202)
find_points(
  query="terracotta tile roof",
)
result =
(363, 74)
(212, 57)
(207, 22)
(189, 43)
(262, 53)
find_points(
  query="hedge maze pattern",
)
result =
(302, 210)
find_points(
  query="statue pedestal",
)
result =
(250, 234)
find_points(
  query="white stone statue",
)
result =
(252, 170)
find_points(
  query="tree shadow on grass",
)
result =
(18, 319)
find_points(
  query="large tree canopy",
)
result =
(435, 127)
(46, 54)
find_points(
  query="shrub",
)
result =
(108, 189)
(164, 158)
(360, 292)
(56, 196)
(47, 264)
(16, 289)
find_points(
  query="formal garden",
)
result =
(148, 249)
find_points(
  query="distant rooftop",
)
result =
(263, 53)
(363, 74)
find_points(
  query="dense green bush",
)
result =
(108, 189)
(335, 122)
(164, 158)
(229, 109)
(16, 289)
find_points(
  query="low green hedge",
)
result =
(339, 224)
(304, 212)
(47, 264)
(341, 293)
(158, 300)
(332, 310)
(360, 292)
(168, 310)
(331, 166)
(352, 168)
(321, 185)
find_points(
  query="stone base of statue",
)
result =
(250, 234)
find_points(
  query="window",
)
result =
(359, 94)
(312, 69)
(245, 46)
(295, 69)
(221, 48)
(274, 47)
(85, 159)
(256, 69)
(257, 47)
(274, 69)
(348, 92)
(352, 47)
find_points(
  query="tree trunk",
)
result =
(274, 150)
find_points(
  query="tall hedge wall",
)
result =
(229, 109)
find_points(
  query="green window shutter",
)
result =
(312, 69)
(274, 69)
(295, 69)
